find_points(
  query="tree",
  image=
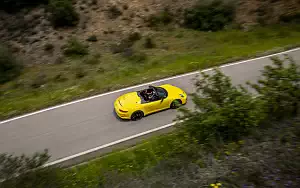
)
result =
(280, 88)
(63, 13)
(212, 16)
(222, 111)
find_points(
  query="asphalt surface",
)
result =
(84, 125)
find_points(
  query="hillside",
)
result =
(29, 30)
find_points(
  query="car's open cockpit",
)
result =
(153, 94)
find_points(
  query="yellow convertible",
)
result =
(135, 105)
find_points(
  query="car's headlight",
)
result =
(181, 95)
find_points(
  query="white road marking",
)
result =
(140, 85)
(108, 145)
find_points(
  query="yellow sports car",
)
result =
(135, 105)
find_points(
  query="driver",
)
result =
(152, 95)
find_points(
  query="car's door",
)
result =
(150, 107)
(157, 105)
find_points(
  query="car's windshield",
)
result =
(161, 92)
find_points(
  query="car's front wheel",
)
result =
(176, 104)
(137, 115)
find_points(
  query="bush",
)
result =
(134, 56)
(294, 18)
(92, 38)
(10, 165)
(280, 87)
(133, 37)
(223, 111)
(10, 67)
(149, 43)
(213, 16)
(163, 18)
(38, 81)
(28, 174)
(63, 13)
(74, 47)
(126, 43)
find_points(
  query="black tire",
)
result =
(137, 115)
(176, 104)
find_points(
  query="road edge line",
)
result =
(141, 85)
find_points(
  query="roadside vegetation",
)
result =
(231, 137)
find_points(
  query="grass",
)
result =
(176, 52)
(145, 162)
(129, 161)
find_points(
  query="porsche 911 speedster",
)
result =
(135, 105)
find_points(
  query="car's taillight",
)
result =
(123, 110)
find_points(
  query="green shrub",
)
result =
(212, 16)
(163, 18)
(114, 12)
(149, 43)
(293, 18)
(63, 13)
(223, 111)
(92, 38)
(23, 166)
(126, 43)
(15, 165)
(133, 37)
(280, 88)
(134, 56)
(74, 47)
(38, 81)
(10, 67)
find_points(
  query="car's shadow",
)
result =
(128, 120)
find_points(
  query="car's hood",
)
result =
(129, 99)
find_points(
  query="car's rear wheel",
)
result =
(176, 104)
(137, 115)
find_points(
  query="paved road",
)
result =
(75, 128)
